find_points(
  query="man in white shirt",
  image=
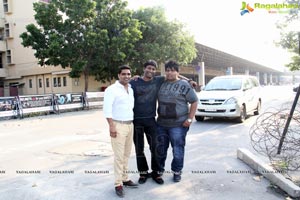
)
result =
(118, 110)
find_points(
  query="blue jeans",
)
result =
(175, 135)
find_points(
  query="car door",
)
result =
(249, 95)
(255, 92)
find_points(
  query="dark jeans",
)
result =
(149, 127)
(175, 135)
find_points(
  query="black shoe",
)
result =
(119, 191)
(158, 180)
(130, 184)
(177, 177)
(142, 179)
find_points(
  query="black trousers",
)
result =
(148, 127)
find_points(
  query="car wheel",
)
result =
(258, 108)
(199, 118)
(243, 115)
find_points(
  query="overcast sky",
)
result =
(219, 24)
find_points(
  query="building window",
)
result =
(1, 34)
(8, 30)
(1, 63)
(9, 58)
(58, 81)
(64, 81)
(47, 82)
(54, 82)
(40, 83)
(30, 83)
(76, 81)
(7, 6)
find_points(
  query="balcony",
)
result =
(3, 73)
(2, 45)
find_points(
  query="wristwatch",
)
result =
(189, 120)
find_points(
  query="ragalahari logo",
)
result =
(246, 8)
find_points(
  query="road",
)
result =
(69, 157)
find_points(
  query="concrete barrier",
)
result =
(268, 172)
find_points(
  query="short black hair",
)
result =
(150, 62)
(172, 65)
(123, 67)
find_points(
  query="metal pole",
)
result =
(288, 121)
(299, 43)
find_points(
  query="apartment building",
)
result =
(20, 73)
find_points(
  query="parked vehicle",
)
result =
(232, 96)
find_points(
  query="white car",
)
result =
(232, 96)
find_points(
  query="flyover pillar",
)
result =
(271, 79)
(276, 80)
(247, 72)
(229, 71)
(201, 74)
(162, 69)
(257, 76)
(265, 79)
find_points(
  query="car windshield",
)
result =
(224, 84)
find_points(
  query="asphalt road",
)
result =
(69, 157)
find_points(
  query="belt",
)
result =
(123, 122)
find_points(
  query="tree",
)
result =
(162, 39)
(123, 32)
(92, 37)
(289, 37)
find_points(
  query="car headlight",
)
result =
(231, 100)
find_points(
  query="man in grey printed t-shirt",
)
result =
(174, 117)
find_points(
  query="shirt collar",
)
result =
(120, 85)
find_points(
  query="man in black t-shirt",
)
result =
(145, 93)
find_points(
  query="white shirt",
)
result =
(118, 103)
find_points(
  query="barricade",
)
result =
(25, 105)
(8, 107)
(95, 99)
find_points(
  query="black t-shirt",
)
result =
(145, 96)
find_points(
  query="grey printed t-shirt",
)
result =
(173, 102)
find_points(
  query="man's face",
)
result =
(149, 71)
(171, 74)
(124, 76)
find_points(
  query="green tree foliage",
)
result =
(92, 37)
(162, 39)
(290, 37)
(123, 32)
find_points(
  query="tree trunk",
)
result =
(86, 81)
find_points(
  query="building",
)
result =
(19, 70)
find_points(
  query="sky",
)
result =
(219, 24)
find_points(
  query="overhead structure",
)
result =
(218, 63)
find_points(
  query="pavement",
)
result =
(69, 157)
